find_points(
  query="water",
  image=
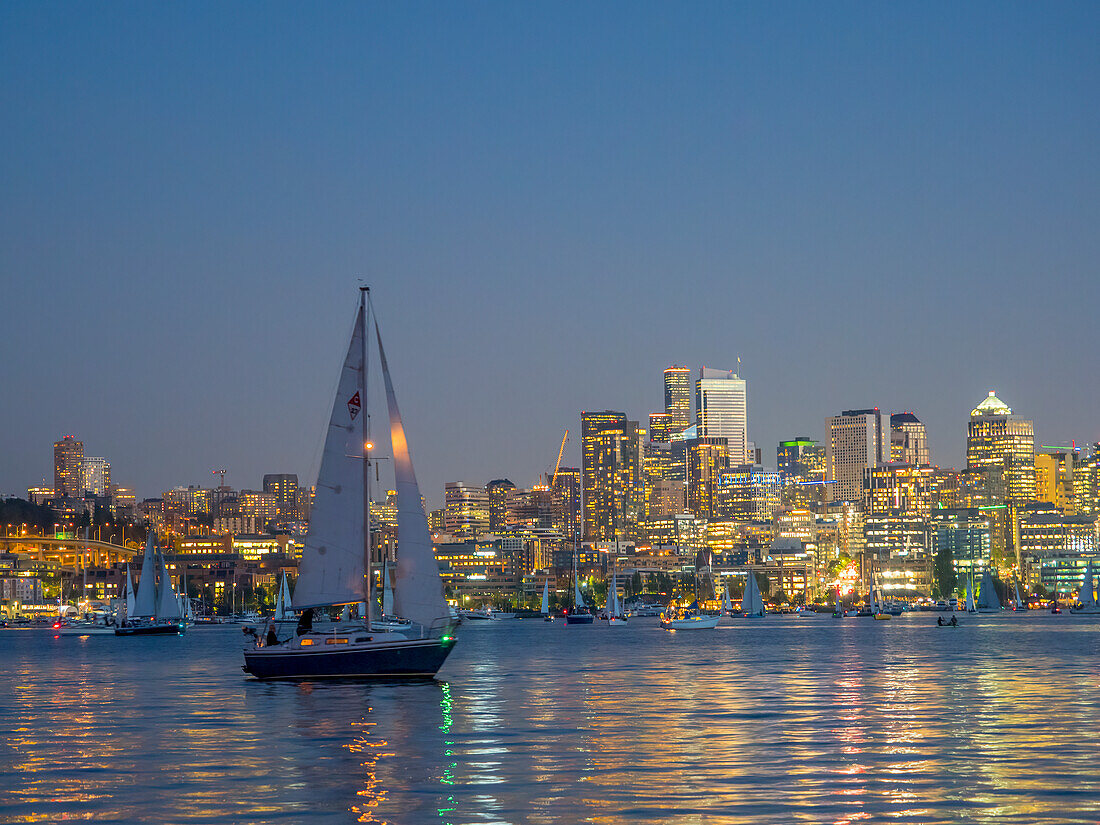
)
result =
(785, 719)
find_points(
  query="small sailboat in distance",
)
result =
(1086, 600)
(156, 608)
(752, 603)
(988, 600)
(580, 613)
(615, 615)
(970, 606)
(546, 617)
(335, 562)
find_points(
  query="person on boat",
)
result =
(305, 621)
(272, 636)
(954, 621)
(939, 621)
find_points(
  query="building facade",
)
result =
(721, 409)
(856, 443)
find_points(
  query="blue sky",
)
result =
(870, 204)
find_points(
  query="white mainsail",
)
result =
(970, 608)
(727, 603)
(145, 605)
(418, 592)
(987, 595)
(168, 606)
(1085, 596)
(752, 603)
(546, 598)
(283, 609)
(613, 604)
(129, 593)
(331, 570)
(1019, 601)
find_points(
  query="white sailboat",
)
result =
(1018, 603)
(156, 607)
(389, 622)
(580, 613)
(727, 603)
(1086, 600)
(284, 608)
(752, 603)
(988, 600)
(546, 601)
(615, 615)
(970, 606)
(335, 559)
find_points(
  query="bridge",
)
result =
(72, 555)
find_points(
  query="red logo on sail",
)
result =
(354, 406)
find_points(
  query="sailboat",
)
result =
(580, 613)
(1086, 601)
(546, 617)
(878, 602)
(156, 608)
(970, 606)
(752, 603)
(615, 615)
(1018, 603)
(727, 603)
(388, 621)
(988, 600)
(335, 564)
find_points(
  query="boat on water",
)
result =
(970, 606)
(988, 601)
(616, 617)
(1086, 599)
(727, 602)
(579, 612)
(689, 618)
(545, 609)
(1017, 602)
(335, 564)
(156, 608)
(752, 603)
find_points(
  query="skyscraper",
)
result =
(908, 440)
(611, 474)
(68, 467)
(706, 459)
(721, 409)
(856, 442)
(97, 476)
(500, 492)
(1002, 444)
(677, 398)
(465, 510)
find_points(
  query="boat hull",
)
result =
(696, 623)
(579, 618)
(412, 657)
(151, 630)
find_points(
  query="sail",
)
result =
(418, 592)
(613, 607)
(129, 593)
(1019, 601)
(331, 569)
(987, 596)
(970, 597)
(578, 599)
(727, 604)
(546, 598)
(146, 602)
(168, 606)
(752, 603)
(387, 589)
(283, 607)
(1084, 595)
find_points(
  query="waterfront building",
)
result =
(1055, 547)
(895, 533)
(683, 532)
(466, 509)
(721, 409)
(749, 492)
(611, 474)
(966, 534)
(1054, 471)
(68, 467)
(677, 399)
(96, 472)
(706, 458)
(284, 486)
(857, 442)
(904, 488)
(474, 569)
(501, 491)
(908, 440)
(999, 443)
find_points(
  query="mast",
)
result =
(364, 292)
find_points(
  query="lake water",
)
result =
(784, 719)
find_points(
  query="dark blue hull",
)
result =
(416, 657)
(151, 630)
(579, 618)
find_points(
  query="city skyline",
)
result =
(867, 207)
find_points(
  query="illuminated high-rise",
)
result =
(1086, 483)
(501, 491)
(677, 399)
(721, 409)
(611, 473)
(1002, 444)
(97, 476)
(465, 510)
(706, 459)
(566, 491)
(68, 467)
(856, 443)
(1054, 472)
(908, 440)
(285, 488)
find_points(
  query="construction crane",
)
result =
(557, 464)
(220, 473)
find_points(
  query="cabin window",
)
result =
(306, 642)
(362, 638)
(336, 641)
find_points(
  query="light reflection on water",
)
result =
(786, 719)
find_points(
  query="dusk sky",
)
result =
(870, 204)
